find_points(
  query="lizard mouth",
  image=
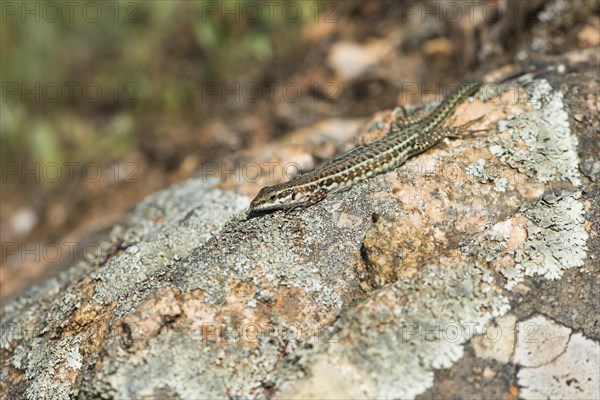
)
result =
(266, 207)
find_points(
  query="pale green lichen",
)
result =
(162, 229)
(74, 358)
(556, 241)
(539, 142)
(555, 363)
(479, 170)
(556, 238)
(419, 325)
(540, 145)
(44, 366)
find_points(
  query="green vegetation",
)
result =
(78, 77)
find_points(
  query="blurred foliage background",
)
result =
(132, 60)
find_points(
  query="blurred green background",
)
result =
(77, 78)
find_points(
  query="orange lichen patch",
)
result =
(515, 180)
(154, 313)
(453, 257)
(94, 336)
(86, 314)
(504, 262)
(514, 232)
(90, 320)
(513, 393)
(531, 191)
(473, 220)
(438, 191)
(241, 319)
(395, 250)
(293, 307)
(237, 302)
(89, 310)
(238, 320)
(405, 193)
(512, 101)
(517, 233)
(435, 210)
(288, 303)
(587, 225)
(196, 310)
(240, 292)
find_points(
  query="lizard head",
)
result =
(278, 197)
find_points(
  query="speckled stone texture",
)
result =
(471, 272)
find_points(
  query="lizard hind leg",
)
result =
(404, 120)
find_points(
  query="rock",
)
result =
(375, 292)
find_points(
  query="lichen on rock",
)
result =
(539, 142)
